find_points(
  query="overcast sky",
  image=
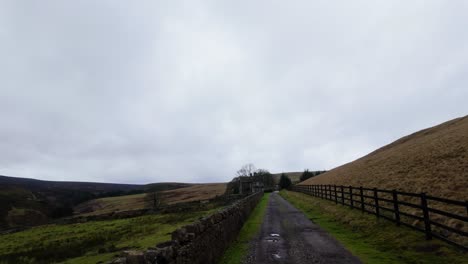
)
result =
(150, 91)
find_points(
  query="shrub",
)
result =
(284, 181)
(306, 175)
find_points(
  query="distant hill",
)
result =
(94, 187)
(179, 193)
(25, 202)
(165, 186)
(433, 160)
(196, 192)
(294, 176)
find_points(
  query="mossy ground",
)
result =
(374, 240)
(239, 249)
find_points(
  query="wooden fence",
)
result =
(418, 211)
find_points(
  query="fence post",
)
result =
(427, 222)
(336, 196)
(396, 207)
(342, 195)
(329, 192)
(376, 202)
(351, 196)
(362, 198)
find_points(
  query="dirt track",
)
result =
(288, 236)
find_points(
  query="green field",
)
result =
(238, 250)
(90, 242)
(372, 240)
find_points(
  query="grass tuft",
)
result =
(238, 250)
(90, 242)
(373, 241)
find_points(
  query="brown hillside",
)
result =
(294, 176)
(195, 192)
(433, 160)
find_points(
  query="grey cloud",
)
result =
(153, 91)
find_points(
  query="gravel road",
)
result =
(288, 236)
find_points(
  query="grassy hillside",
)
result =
(111, 204)
(165, 186)
(433, 160)
(90, 242)
(28, 202)
(195, 192)
(95, 187)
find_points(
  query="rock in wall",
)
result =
(203, 241)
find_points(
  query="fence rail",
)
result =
(418, 211)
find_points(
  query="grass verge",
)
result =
(238, 250)
(373, 241)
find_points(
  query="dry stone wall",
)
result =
(203, 241)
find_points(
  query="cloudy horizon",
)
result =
(112, 91)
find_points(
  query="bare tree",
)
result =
(247, 170)
(153, 200)
(265, 177)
